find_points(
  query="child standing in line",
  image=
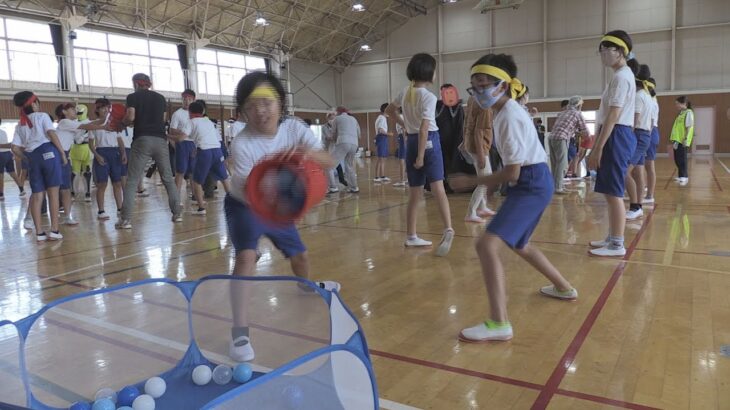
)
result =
(401, 150)
(7, 164)
(209, 158)
(616, 141)
(381, 144)
(651, 152)
(494, 85)
(424, 161)
(642, 129)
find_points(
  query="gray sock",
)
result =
(237, 332)
(615, 242)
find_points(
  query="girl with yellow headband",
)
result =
(651, 152)
(616, 141)
(494, 85)
(644, 107)
(424, 160)
(260, 97)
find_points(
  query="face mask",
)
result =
(485, 99)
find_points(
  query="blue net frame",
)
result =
(337, 375)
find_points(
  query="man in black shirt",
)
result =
(146, 113)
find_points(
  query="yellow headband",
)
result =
(650, 84)
(264, 91)
(516, 87)
(618, 42)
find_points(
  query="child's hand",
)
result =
(100, 159)
(481, 162)
(594, 159)
(419, 162)
(461, 181)
(124, 159)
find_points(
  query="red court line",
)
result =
(714, 177)
(551, 387)
(670, 179)
(599, 399)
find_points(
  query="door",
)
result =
(704, 137)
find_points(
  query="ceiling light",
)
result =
(357, 6)
(365, 47)
(260, 20)
(448, 1)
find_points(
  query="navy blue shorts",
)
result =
(224, 149)
(45, 168)
(381, 144)
(433, 161)
(209, 161)
(245, 229)
(651, 152)
(572, 151)
(611, 174)
(126, 166)
(643, 142)
(401, 147)
(7, 162)
(112, 167)
(185, 157)
(520, 213)
(66, 173)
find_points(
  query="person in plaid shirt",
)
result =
(569, 122)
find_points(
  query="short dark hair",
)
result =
(504, 61)
(308, 122)
(189, 91)
(682, 99)
(252, 80)
(421, 67)
(196, 107)
(446, 85)
(20, 98)
(623, 36)
(383, 107)
(100, 102)
(59, 110)
(564, 103)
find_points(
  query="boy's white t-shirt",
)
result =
(424, 108)
(247, 150)
(515, 136)
(127, 136)
(621, 92)
(654, 113)
(32, 138)
(644, 107)
(181, 121)
(106, 139)
(381, 122)
(68, 132)
(204, 133)
(236, 128)
(4, 140)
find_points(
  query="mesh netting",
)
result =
(310, 351)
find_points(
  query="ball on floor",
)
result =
(242, 372)
(202, 375)
(155, 387)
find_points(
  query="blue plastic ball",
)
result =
(242, 372)
(125, 408)
(80, 405)
(126, 396)
(103, 404)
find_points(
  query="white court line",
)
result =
(96, 265)
(127, 331)
(723, 165)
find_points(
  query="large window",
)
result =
(220, 71)
(26, 52)
(110, 60)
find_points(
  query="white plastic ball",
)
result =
(155, 387)
(106, 393)
(144, 402)
(202, 375)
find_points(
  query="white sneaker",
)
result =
(199, 211)
(553, 292)
(445, 244)
(87, 198)
(240, 350)
(41, 237)
(329, 285)
(354, 190)
(28, 224)
(416, 242)
(378, 179)
(634, 215)
(482, 334)
(333, 190)
(399, 184)
(177, 218)
(606, 251)
(648, 201)
(70, 221)
(22, 194)
(102, 216)
(55, 236)
(123, 224)
(475, 219)
(676, 179)
(385, 179)
(683, 181)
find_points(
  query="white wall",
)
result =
(558, 60)
(312, 85)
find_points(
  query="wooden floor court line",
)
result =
(714, 177)
(553, 383)
(669, 180)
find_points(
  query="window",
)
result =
(27, 52)
(590, 117)
(113, 59)
(220, 71)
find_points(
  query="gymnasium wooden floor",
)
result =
(646, 332)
